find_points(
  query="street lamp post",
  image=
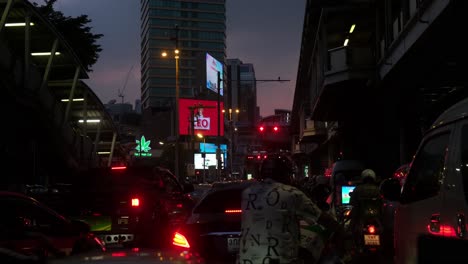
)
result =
(177, 88)
(203, 154)
(231, 131)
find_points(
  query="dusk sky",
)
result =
(266, 33)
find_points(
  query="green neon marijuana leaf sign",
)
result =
(143, 145)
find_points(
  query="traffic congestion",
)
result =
(233, 132)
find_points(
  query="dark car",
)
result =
(130, 205)
(213, 229)
(29, 228)
(134, 206)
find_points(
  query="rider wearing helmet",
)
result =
(368, 189)
(271, 212)
(365, 200)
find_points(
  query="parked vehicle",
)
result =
(30, 228)
(434, 198)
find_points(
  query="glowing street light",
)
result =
(176, 56)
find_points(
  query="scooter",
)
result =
(366, 227)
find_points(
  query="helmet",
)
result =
(368, 174)
(278, 168)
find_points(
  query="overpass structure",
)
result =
(53, 123)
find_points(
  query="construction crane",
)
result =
(120, 93)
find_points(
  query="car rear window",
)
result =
(219, 201)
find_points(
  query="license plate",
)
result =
(233, 244)
(123, 220)
(372, 240)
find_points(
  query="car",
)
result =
(30, 228)
(214, 227)
(131, 256)
(127, 206)
(434, 197)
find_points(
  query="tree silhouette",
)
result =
(76, 32)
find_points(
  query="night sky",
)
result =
(266, 33)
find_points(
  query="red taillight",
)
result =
(232, 211)
(180, 240)
(135, 249)
(119, 168)
(275, 129)
(371, 229)
(119, 254)
(180, 205)
(135, 202)
(261, 129)
(445, 230)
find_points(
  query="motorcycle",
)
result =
(364, 223)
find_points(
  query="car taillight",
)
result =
(135, 202)
(232, 211)
(180, 240)
(119, 168)
(371, 229)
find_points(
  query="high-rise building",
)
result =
(242, 96)
(197, 28)
(242, 90)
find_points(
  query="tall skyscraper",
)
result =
(241, 95)
(197, 27)
(242, 90)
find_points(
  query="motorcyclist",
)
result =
(271, 214)
(367, 189)
(365, 199)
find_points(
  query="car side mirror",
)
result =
(390, 190)
(188, 188)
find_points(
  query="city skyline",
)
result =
(269, 38)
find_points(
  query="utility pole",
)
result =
(218, 138)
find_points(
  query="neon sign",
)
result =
(143, 147)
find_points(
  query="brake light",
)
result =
(180, 240)
(119, 254)
(371, 229)
(119, 168)
(232, 211)
(135, 202)
(445, 230)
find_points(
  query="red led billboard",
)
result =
(205, 115)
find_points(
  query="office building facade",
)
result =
(196, 28)
(241, 96)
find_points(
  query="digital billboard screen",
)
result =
(213, 66)
(205, 117)
(210, 160)
(211, 148)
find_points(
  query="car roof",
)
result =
(231, 185)
(343, 165)
(455, 112)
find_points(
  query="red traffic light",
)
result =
(275, 128)
(261, 129)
